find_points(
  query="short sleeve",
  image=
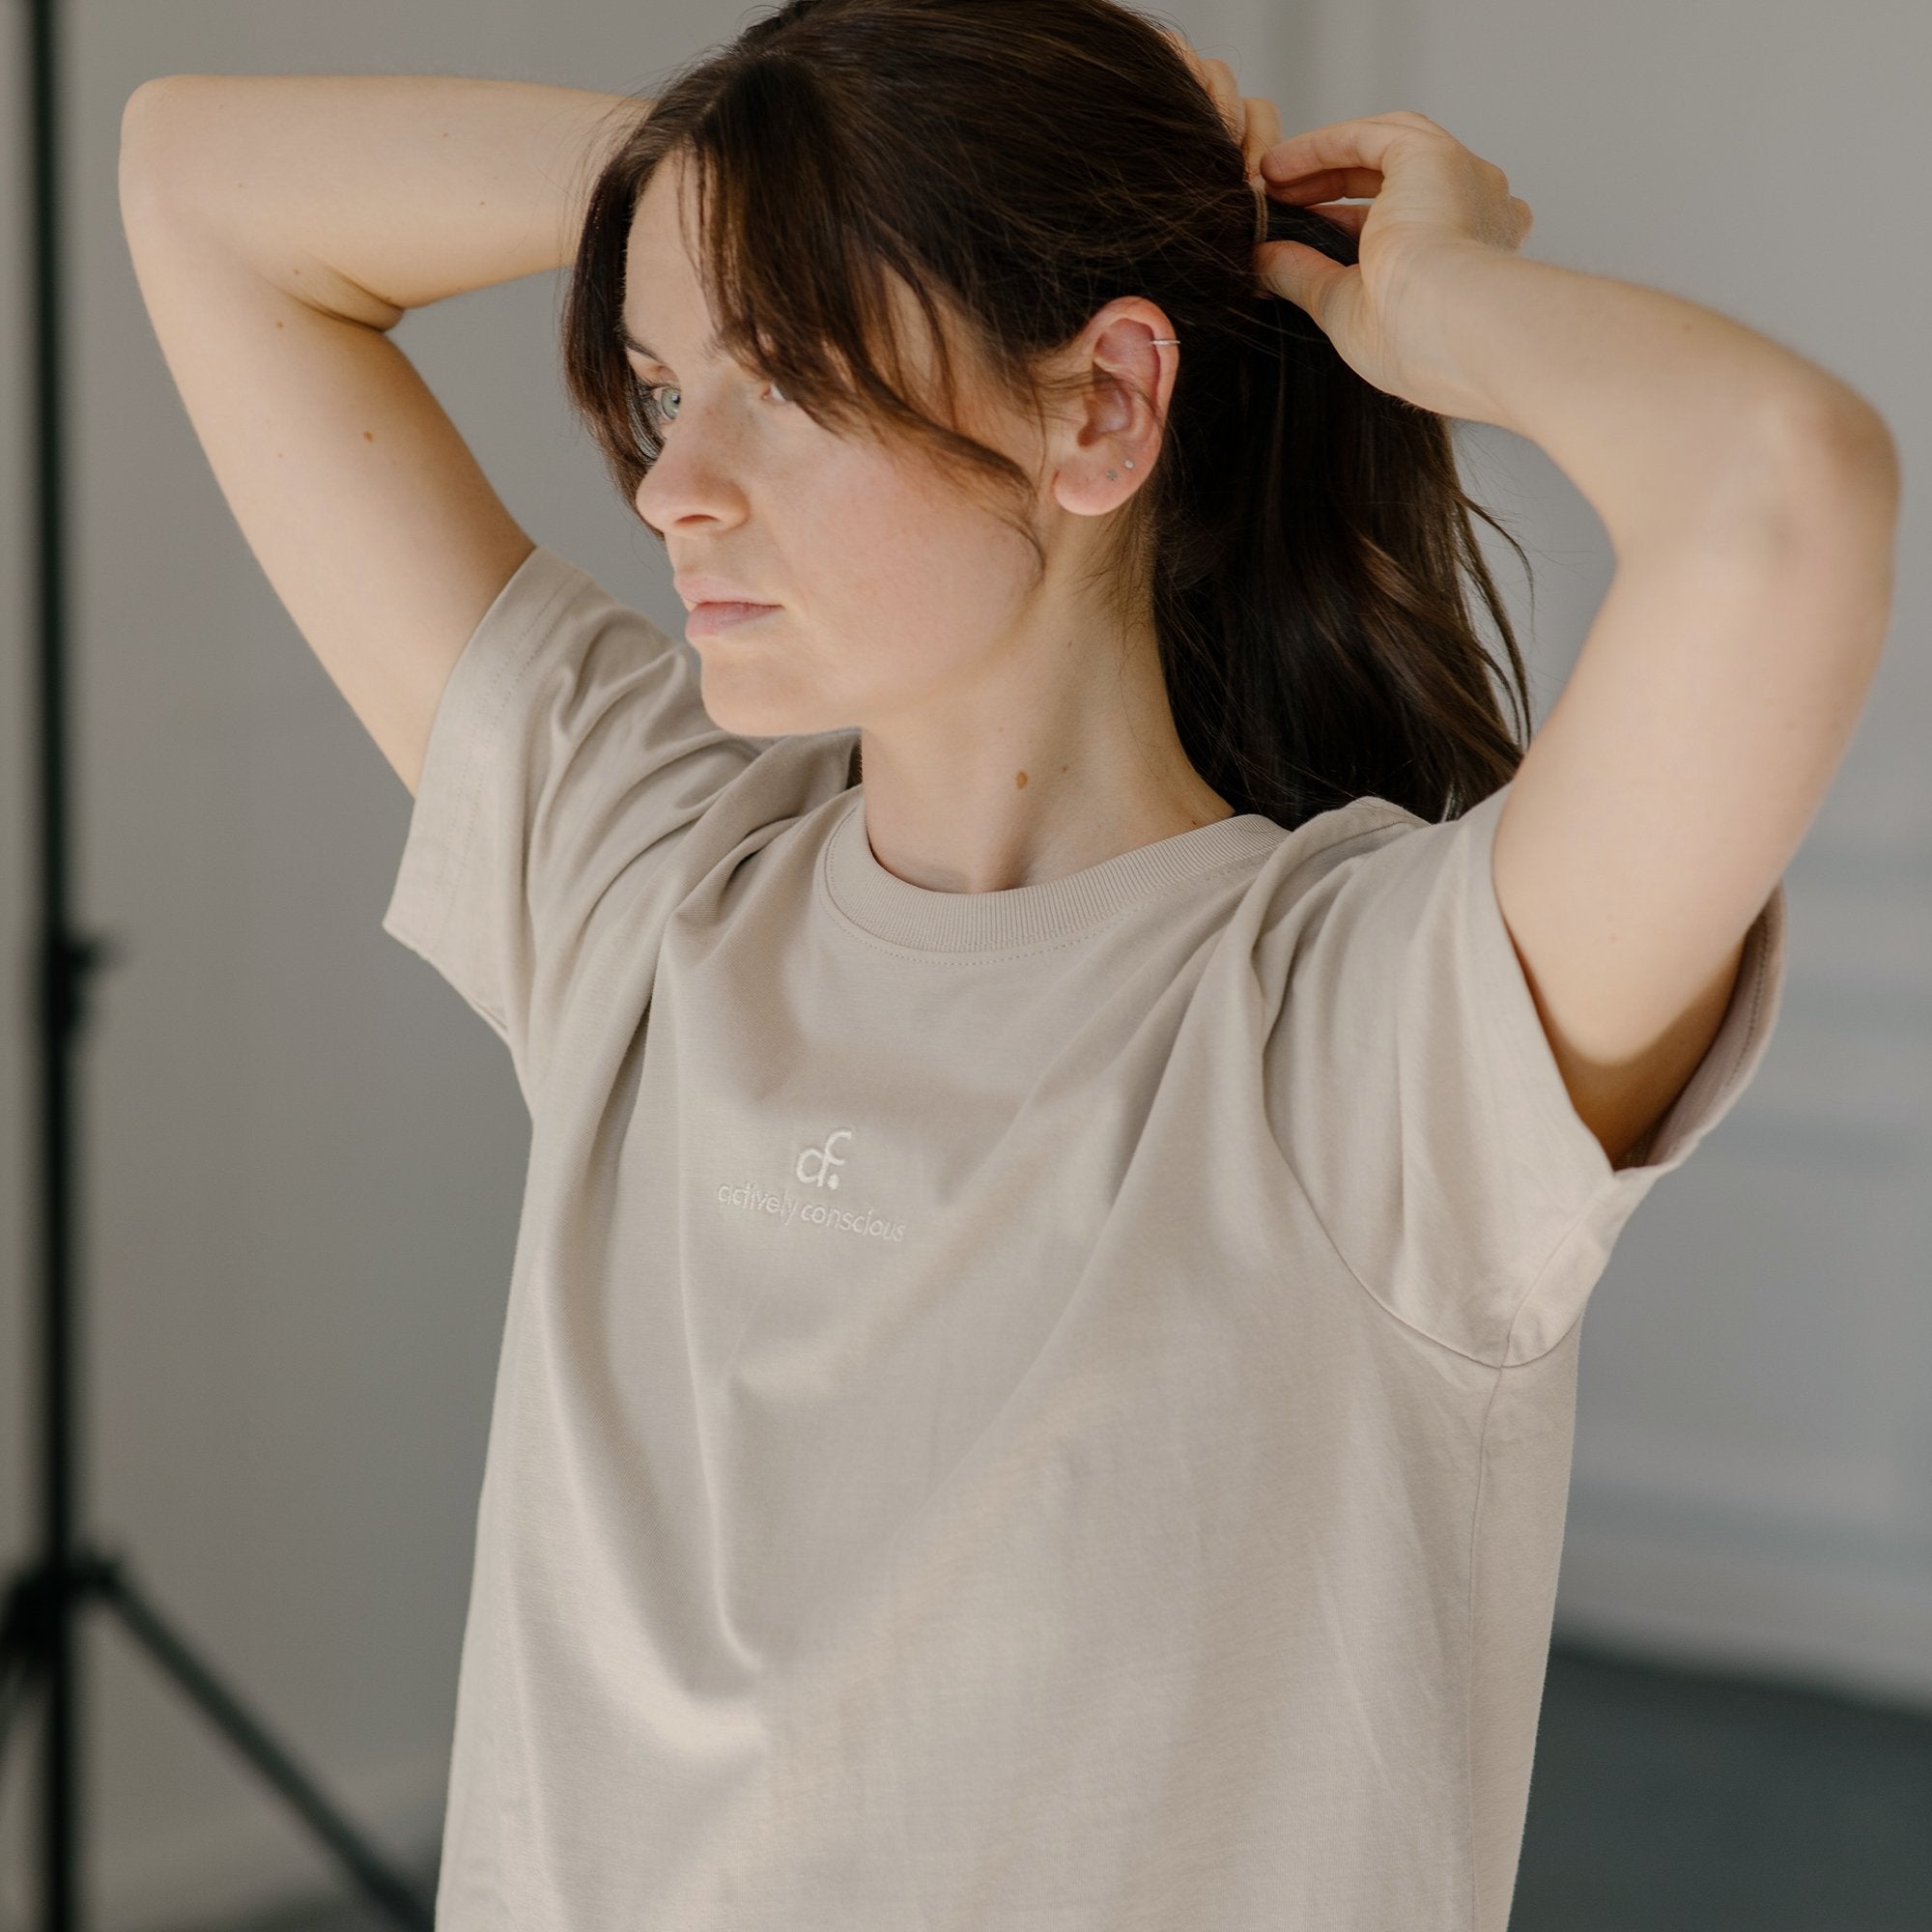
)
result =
(1414, 1094)
(569, 750)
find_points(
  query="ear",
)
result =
(1109, 438)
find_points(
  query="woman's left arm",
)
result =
(1670, 418)
(1752, 499)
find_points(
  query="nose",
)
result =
(685, 486)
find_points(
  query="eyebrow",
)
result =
(710, 350)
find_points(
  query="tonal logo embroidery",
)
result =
(817, 1168)
(815, 1163)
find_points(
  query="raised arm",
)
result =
(280, 226)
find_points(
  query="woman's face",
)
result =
(895, 592)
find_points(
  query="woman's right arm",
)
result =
(280, 226)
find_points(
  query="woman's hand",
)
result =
(1429, 192)
(1431, 198)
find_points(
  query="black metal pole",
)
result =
(40, 1612)
(61, 1764)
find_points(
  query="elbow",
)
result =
(138, 115)
(1831, 448)
(149, 156)
(1835, 526)
(136, 169)
(1809, 482)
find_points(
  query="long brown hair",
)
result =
(1301, 538)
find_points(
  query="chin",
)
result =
(736, 704)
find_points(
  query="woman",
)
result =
(1041, 1350)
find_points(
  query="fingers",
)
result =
(1342, 148)
(1328, 184)
(1261, 131)
(1351, 159)
(1340, 160)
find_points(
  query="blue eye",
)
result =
(655, 418)
(654, 412)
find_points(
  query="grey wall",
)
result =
(304, 1153)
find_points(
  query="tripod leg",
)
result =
(18, 1660)
(378, 1879)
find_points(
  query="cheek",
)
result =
(909, 570)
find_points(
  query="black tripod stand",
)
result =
(42, 1602)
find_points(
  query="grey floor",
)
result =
(1674, 1803)
(1662, 1802)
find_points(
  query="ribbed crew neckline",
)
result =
(892, 909)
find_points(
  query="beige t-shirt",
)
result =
(1044, 1410)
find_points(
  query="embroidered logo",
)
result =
(820, 1160)
(816, 1167)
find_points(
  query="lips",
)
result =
(708, 619)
